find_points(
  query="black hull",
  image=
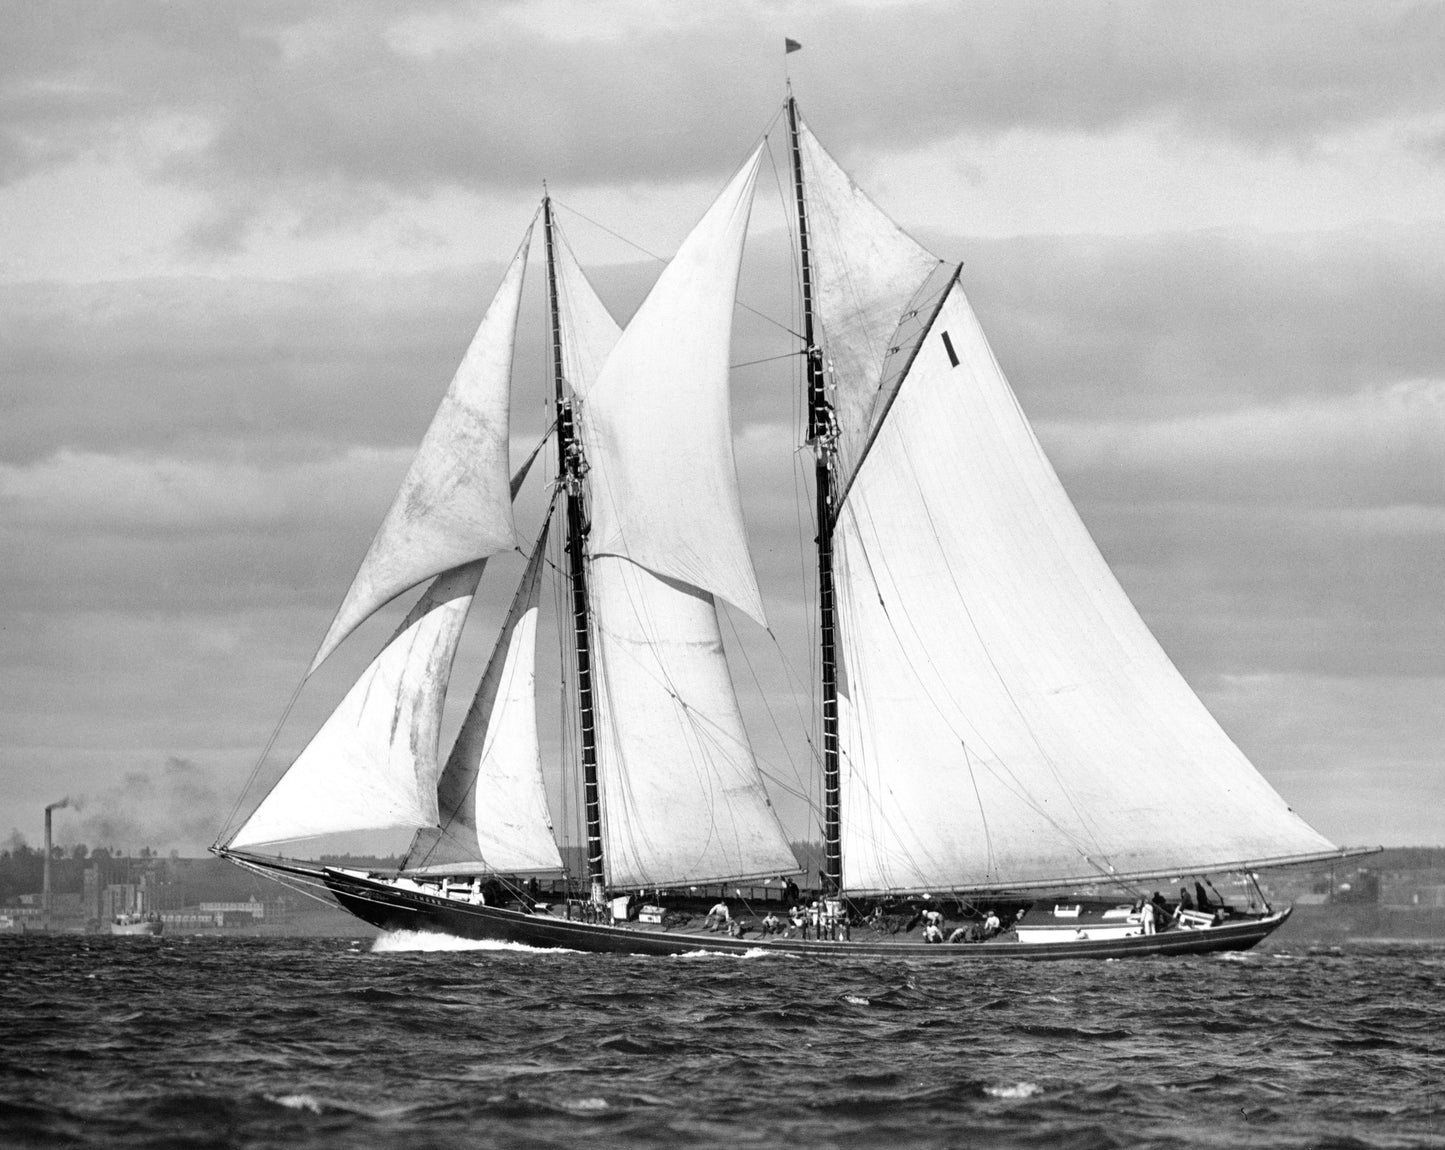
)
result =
(393, 909)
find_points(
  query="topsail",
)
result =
(664, 484)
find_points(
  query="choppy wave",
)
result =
(429, 1041)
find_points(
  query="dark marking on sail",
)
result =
(948, 347)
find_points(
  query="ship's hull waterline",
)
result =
(393, 909)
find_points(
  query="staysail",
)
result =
(373, 763)
(684, 802)
(1007, 718)
(453, 505)
(872, 282)
(491, 794)
(659, 431)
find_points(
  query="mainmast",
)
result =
(822, 435)
(571, 467)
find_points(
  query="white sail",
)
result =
(589, 333)
(491, 795)
(453, 505)
(683, 800)
(373, 763)
(659, 442)
(868, 274)
(1010, 719)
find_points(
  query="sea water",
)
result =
(423, 1042)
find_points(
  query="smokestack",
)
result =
(45, 882)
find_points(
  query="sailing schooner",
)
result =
(996, 717)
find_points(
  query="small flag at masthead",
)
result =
(790, 46)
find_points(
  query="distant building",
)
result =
(253, 908)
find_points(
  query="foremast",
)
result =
(571, 470)
(822, 437)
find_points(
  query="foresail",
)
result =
(373, 763)
(491, 795)
(1009, 718)
(656, 423)
(453, 506)
(872, 284)
(683, 800)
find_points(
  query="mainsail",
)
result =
(684, 802)
(453, 505)
(1008, 720)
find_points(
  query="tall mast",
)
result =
(570, 469)
(823, 438)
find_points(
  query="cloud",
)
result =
(278, 369)
(1360, 759)
(1139, 327)
(1376, 448)
(139, 494)
(328, 111)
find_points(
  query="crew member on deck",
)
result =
(718, 917)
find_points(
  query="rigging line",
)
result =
(665, 259)
(767, 359)
(615, 235)
(798, 686)
(982, 814)
(226, 829)
(752, 671)
(290, 881)
(784, 785)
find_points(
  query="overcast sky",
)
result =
(242, 247)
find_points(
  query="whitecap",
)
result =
(751, 952)
(408, 941)
(586, 1104)
(296, 1102)
(1017, 1090)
